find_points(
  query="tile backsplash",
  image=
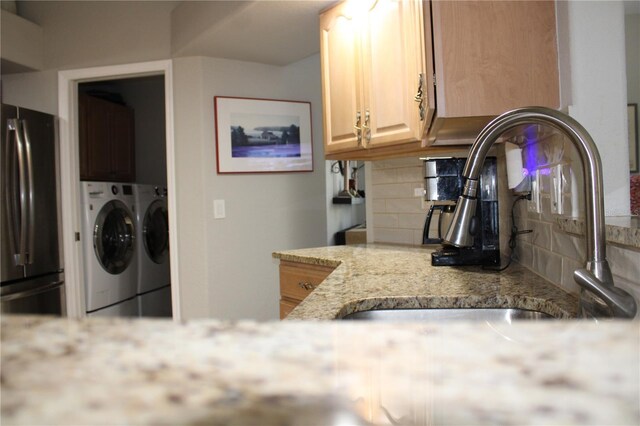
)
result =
(398, 211)
(399, 215)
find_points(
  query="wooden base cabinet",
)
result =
(107, 140)
(297, 281)
(403, 76)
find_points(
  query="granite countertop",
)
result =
(382, 276)
(154, 372)
(58, 371)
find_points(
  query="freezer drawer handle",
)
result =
(31, 292)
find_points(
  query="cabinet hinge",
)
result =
(434, 78)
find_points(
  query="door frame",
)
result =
(70, 174)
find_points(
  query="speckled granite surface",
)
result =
(155, 372)
(622, 230)
(380, 276)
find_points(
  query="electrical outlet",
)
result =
(533, 205)
(418, 192)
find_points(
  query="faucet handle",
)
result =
(621, 303)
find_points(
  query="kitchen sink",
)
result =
(448, 314)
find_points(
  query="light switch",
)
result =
(218, 209)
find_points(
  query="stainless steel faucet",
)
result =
(596, 277)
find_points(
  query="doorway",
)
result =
(71, 84)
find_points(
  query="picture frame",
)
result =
(255, 135)
(632, 117)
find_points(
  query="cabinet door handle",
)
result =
(366, 126)
(357, 128)
(419, 98)
(306, 285)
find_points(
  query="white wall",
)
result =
(33, 90)
(341, 216)
(227, 262)
(598, 92)
(632, 38)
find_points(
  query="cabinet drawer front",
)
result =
(286, 306)
(298, 280)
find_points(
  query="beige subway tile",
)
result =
(379, 176)
(545, 204)
(624, 262)
(393, 190)
(394, 236)
(379, 206)
(568, 267)
(568, 245)
(385, 220)
(411, 174)
(547, 264)
(631, 286)
(541, 235)
(524, 254)
(404, 205)
(417, 238)
(413, 220)
(396, 163)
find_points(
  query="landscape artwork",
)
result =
(264, 135)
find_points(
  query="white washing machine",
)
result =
(109, 243)
(154, 276)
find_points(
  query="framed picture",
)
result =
(632, 117)
(263, 135)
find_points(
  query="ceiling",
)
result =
(269, 32)
(276, 32)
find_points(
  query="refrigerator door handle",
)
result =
(31, 227)
(17, 242)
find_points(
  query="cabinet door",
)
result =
(494, 56)
(122, 144)
(341, 85)
(394, 73)
(95, 150)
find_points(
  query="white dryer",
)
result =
(109, 242)
(154, 276)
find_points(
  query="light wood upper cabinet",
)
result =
(491, 57)
(466, 61)
(373, 102)
(341, 79)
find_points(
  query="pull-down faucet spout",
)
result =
(596, 277)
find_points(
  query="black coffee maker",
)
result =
(444, 176)
(443, 186)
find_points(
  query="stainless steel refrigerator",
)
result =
(32, 279)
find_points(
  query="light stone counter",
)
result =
(383, 276)
(156, 372)
(102, 371)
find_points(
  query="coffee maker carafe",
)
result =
(442, 187)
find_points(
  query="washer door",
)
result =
(155, 232)
(114, 237)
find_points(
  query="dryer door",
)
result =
(155, 232)
(114, 237)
